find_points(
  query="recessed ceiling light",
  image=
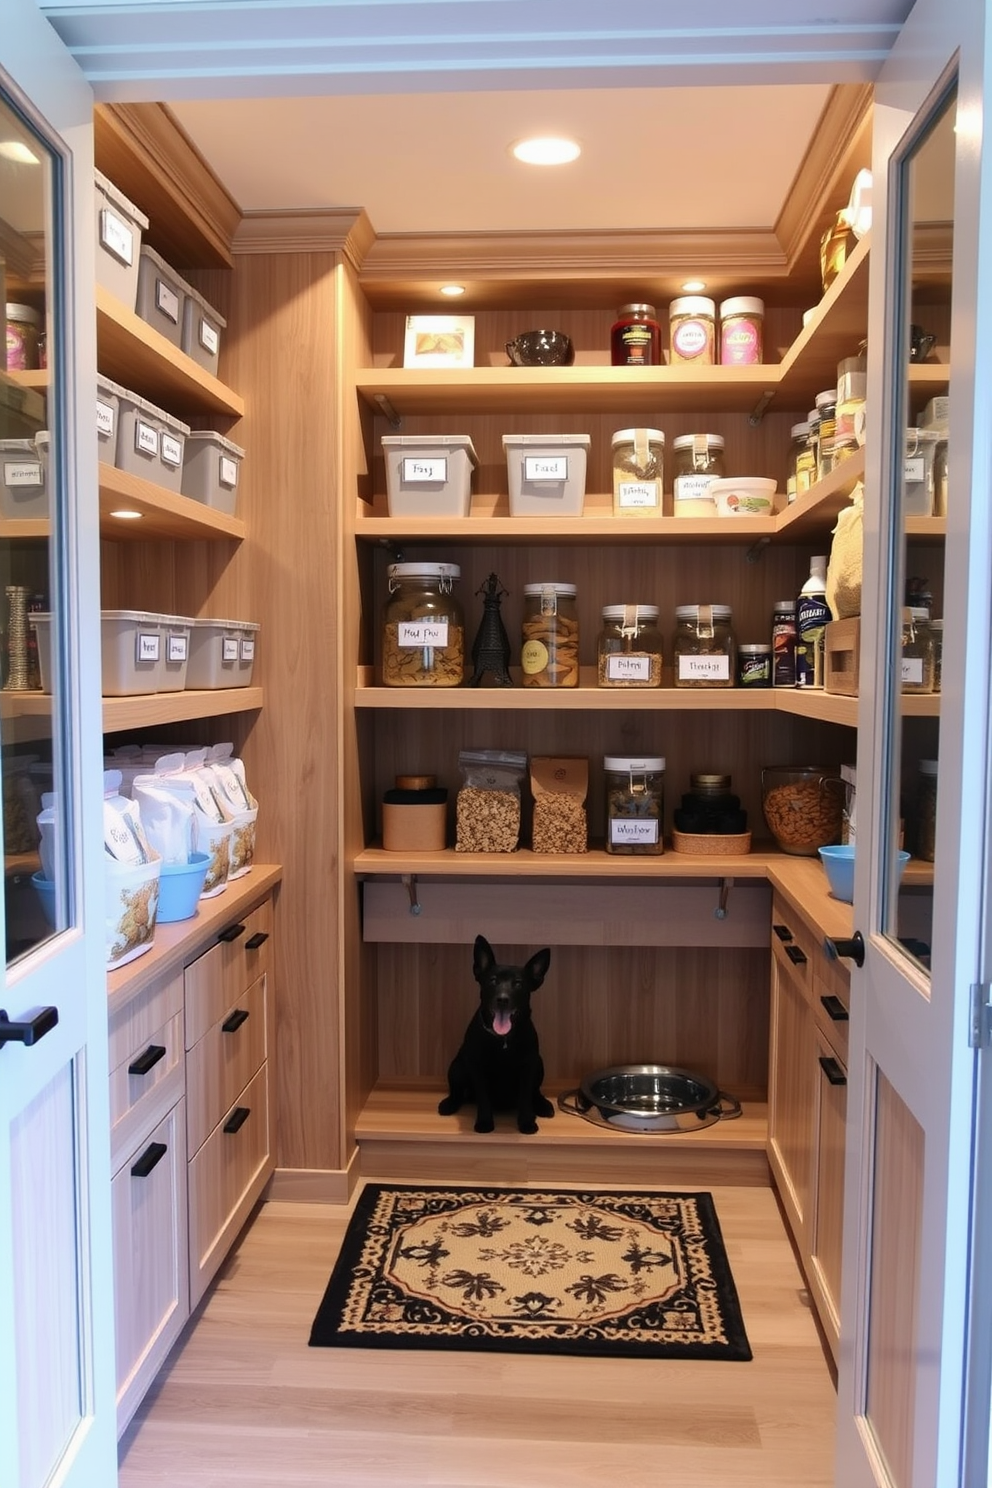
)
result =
(693, 286)
(546, 149)
(127, 516)
(452, 289)
(14, 150)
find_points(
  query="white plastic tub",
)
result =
(221, 653)
(546, 474)
(211, 468)
(743, 496)
(24, 477)
(202, 327)
(150, 442)
(161, 296)
(131, 650)
(119, 225)
(429, 475)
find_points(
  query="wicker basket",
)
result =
(706, 844)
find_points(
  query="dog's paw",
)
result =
(448, 1106)
(485, 1124)
(543, 1106)
(527, 1127)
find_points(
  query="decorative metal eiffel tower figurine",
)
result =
(491, 647)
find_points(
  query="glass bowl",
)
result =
(803, 806)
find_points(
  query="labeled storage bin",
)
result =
(546, 474)
(175, 652)
(211, 467)
(108, 405)
(150, 442)
(24, 477)
(221, 653)
(119, 226)
(131, 651)
(428, 475)
(918, 472)
(161, 296)
(202, 326)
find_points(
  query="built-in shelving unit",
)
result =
(163, 514)
(134, 353)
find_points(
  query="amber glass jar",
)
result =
(549, 653)
(635, 339)
(423, 634)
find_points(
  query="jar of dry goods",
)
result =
(937, 631)
(635, 805)
(698, 461)
(742, 322)
(926, 811)
(692, 330)
(826, 403)
(630, 647)
(800, 476)
(23, 330)
(635, 338)
(917, 651)
(704, 649)
(423, 634)
(638, 472)
(549, 654)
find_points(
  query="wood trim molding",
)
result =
(344, 230)
(840, 147)
(313, 1185)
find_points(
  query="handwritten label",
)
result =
(545, 468)
(172, 451)
(425, 472)
(248, 648)
(147, 646)
(624, 829)
(915, 470)
(105, 419)
(638, 494)
(423, 633)
(116, 236)
(167, 301)
(228, 475)
(912, 671)
(229, 648)
(22, 473)
(178, 648)
(209, 339)
(628, 668)
(145, 439)
(704, 669)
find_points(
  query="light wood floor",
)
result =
(246, 1402)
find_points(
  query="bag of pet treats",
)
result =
(132, 869)
(229, 774)
(180, 777)
(487, 811)
(559, 785)
(169, 815)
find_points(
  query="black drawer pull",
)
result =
(231, 933)
(783, 932)
(234, 1022)
(237, 1119)
(150, 1158)
(258, 939)
(832, 1070)
(795, 955)
(835, 1008)
(148, 1060)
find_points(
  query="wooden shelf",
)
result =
(38, 381)
(148, 710)
(17, 529)
(375, 862)
(834, 330)
(163, 513)
(136, 355)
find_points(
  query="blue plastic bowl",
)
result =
(45, 889)
(839, 865)
(179, 888)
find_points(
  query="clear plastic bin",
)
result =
(546, 474)
(119, 225)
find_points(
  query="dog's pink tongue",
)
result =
(501, 1023)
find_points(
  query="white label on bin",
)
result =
(434, 472)
(177, 648)
(637, 493)
(228, 472)
(915, 470)
(422, 633)
(147, 646)
(116, 236)
(248, 648)
(229, 648)
(167, 301)
(545, 467)
(704, 668)
(628, 669)
(172, 451)
(22, 473)
(145, 438)
(912, 671)
(625, 829)
(209, 339)
(105, 419)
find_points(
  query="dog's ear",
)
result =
(537, 968)
(483, 959)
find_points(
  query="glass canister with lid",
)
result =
(918, 669)
(423, 633)
(704, 650)
(698, 461)
(742, 320)
(549, 653)
(638, 472)
(692, 330)
(630, 647)
(635, 804)
(635, 337)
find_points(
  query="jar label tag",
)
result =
(704, 668)
(638, 494)
(419, 471)
(209, 339)
(228, 474)
(145, 438)
(172, 451)
(634, 829)
(545, 467)
(422, 633)
(116, 236)
(22, 473)
(147, 646)
(620, 668)
(167, 301)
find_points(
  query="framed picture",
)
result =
(439, 341)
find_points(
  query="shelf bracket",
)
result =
(757, 549)
(410, 879)
(721, 912)
(758, 411)
(386, 408)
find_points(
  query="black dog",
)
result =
(499, 1064)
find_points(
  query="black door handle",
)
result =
(234, 1022)
(832, 1070)
(30, 1032)
(150, 1158)
(849, 950)
(148, 1060)
(237, 1119)
(254, 941)
(835, 1009)
(231, 933)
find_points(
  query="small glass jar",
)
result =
(23, 330)
(800, 476)
(635, 337)
(742, 322)
(754, 665)
(784, 643)
(926, 811)
(826, 403)
(630, 647)
(692, 330)
(813, 447)
(704, 649)
(635, 805)
(638, 472)
(698, 461)
(423, 634)
(549, 652)
(917, 651)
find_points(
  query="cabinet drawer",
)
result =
(225, 1178)
(831, 1011)
(151, 1277)
(147, 1063)
(827, 1222)
(223, 1062)
(792, 943)
(215, 981)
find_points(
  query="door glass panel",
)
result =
(32, 467)
(924, 204)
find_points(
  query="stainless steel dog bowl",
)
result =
(649, 1098)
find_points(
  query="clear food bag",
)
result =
(487, 816)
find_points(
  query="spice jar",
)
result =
(549, 654)
(926, 811)
(638, 472)
(742, 322)
(813, 445)
(23, 328)
(917, 651)
(784, 643)
(754, 666)
(800, 476)
(423, 637)
(635, 337)
(630, 647)
(704, 646)
(635, 805)
(692, 330)
(698, 461)
(826, 404)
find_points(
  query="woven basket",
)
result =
(735, 845)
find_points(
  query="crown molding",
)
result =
(839, 148)
(344, 230)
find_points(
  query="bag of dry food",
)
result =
(844, 570)
(124, 838)
(229, 774)
(169, 816)
(559, 785)
(182, 778)
(487, 813)
(132, 869)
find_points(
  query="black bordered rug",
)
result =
(641, 1275)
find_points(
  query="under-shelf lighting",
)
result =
(452, 290)
(126, 515)
(548, 149)
(693, 286)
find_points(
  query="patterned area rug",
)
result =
(632, 1274)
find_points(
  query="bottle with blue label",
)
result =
(812, 617)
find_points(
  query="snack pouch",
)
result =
(487, 813)
(169, 815)
(229, 774)
(559, 785)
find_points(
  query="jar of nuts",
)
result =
(549, 655)
(803, 807)
(423, 634)
(630, 647)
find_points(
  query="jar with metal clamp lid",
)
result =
(704, 650)
(638, 472)
(549, 653)
(917, 651)
(423, 634)
(630, 647)
(635, 805)
(698, 461)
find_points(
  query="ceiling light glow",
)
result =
(127, 516)
(452, 290)
(693, 286)
(546, 149)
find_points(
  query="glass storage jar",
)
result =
(635, 337)
(698, 461)
(704, 649)
(709, 808)
(423, 633)
(917, 651)
(826, 403)
(937, 631)
(635, 804)
(754, 665)
(742, 322)
(23, 330)
(638, 472)
(630, 647)
(692, 330)
(549, 653)
(926, 811)
(800, 476)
